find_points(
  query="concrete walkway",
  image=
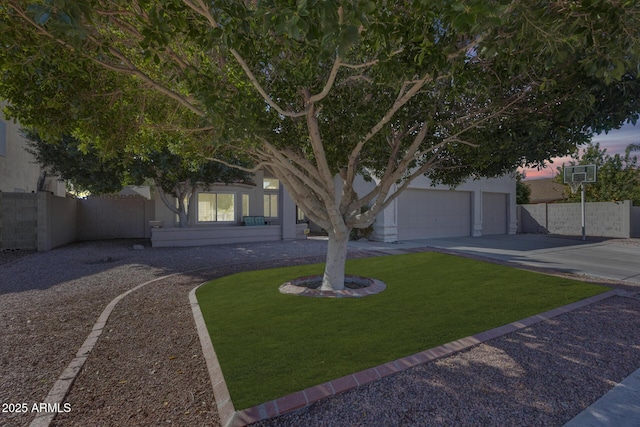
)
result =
(620, 407)
(613, 259)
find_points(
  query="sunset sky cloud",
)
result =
(615, 142)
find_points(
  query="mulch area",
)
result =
(147, 368)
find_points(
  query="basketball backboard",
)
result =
(579, 174)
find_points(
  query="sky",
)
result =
(615, 142)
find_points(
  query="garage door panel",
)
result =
(433, 213)
(494, 213)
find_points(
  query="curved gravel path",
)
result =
(147, 367)
(50, 301)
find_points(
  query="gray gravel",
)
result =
(49, 302)
(540, 376)
(147, 368)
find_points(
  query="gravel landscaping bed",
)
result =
(539, 376)
(11, 255)
(49, 302)
(147, 368)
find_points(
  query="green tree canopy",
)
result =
(313, 89)
(172, 175)
(84, 168)
(618, 176)
(523, 191)
(180, 177)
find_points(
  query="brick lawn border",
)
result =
(64, 382)
(229, 417)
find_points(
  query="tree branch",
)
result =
(311, 206)
(256, 84)
(131, 69)
(334, 72)
(311, 180)
(202, 9)
(329, 84)
(318, 149)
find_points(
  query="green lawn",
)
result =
(270, 345)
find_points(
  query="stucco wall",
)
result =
(18, 220)
(18, 173)
(57, 220)
(36, 221)
(604, 219)
(635, 221)
(44, 221)
(533, 218)
(114, 217)
(215, 235)
(222, 235)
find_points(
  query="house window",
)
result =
(270, 184)
(216, 207)
(271, 205)
(245, 205)
(3, 138)
(271, 187)
(300, 216)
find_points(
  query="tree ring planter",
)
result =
(355, 287)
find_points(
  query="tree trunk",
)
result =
(183, 219)
(333, 278)
(191, 208)
(169, 203)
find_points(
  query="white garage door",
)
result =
(433, 213)
(494, 213)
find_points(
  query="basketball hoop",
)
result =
(576, 176)
(575, 186)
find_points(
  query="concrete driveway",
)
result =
(615, 259)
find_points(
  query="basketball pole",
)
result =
(577, 176)
(582, 193)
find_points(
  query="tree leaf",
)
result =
(349, 37)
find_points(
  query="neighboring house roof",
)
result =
(546, 191)
(135, 190)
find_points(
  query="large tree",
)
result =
(174, 176)
(311, 90)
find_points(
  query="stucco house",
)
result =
(475, 208)
(224, 212)
(221, 216)
(19, 173)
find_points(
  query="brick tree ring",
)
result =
(355, 287)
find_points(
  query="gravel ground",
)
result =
(147, 368)
(539, 376)
(11, 255)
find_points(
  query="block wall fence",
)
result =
(43, 221)
(602, 219)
